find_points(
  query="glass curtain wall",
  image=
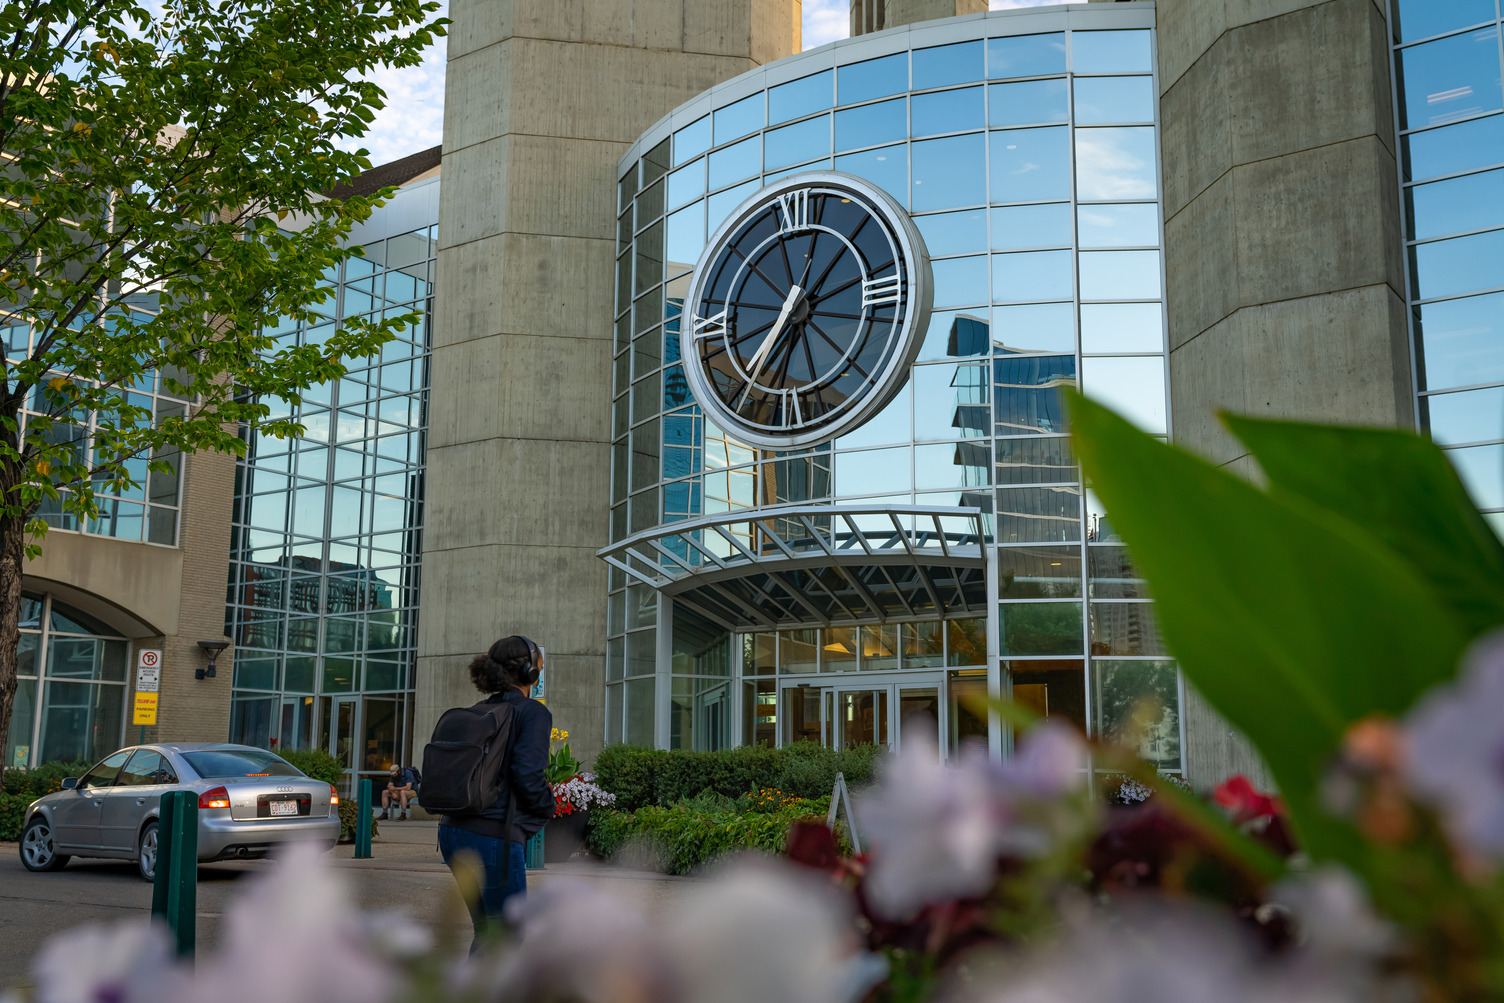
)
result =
(323, 591)
(1030, 164)
(1450, 113)
(70, 701)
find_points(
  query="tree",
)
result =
(164, 170)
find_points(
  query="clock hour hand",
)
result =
(766, 347)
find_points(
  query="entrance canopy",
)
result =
(815, 565)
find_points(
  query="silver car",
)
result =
(249, 800)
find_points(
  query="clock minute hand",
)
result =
(761, 355)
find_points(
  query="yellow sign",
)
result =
(146, 709)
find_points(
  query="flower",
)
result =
(558, 735)
(1243, 800)
(1453, 749)
(126, 963)
(937, 831)
(581, 792)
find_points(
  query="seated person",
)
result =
(402, 785)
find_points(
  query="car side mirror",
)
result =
(69, 783)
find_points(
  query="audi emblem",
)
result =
(284, 790)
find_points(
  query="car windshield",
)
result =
(222, 763)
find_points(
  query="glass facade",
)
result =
(1450, 113)
(70, 700)
(323, 590)
(147, 512)
(1030, 165)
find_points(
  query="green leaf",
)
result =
(1292, 621)
(1398, 487)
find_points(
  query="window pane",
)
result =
(1054, 689)
(692, 140)
(639, 729)
(953, 465)
(871, 124)
(1424, 18)
(739, 119)
(720, 205)
(1111, 52)
(1036, 461)
(81, 721)
(798, 650)
(1031, 275)
(966, 642)
(1122, 327)
(734, 162)
(1465, 146)
(955, 334)
(954, 232)
(1118, 225)
(1125, 629)
(1482, 471)
(1040, 628)
(875, 78)
(1474, 416)
(1030, 165)
(684, 236)
(1459, 265)
(17, 748)
(1113, 574)
(873, 472)
(839, 652)
(686, 183)
(951, 401)
(888, 168)
(1036, 327)
(1461, 341)
(1026, 55)
(879, 646)
(1024, 226)
(960, 281)
(1133, 387)
(1039, 572)
(1450, 78)
(923, 645)
(1115, 163)
(1473, 202)
(948, 172)
(1026, 392)
(948, 111)
(1119, 275)
(943, 65)
(1039, 515)
(1027, 103)
(797, 143)
(1138, 706)
(889, 425)
(1114, 99)
(804, 96)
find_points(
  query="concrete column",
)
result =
(542, 98)
(1282, 241)
(876, 15)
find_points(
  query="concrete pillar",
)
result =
(1282, 241)
(542, 98)
(875, 15)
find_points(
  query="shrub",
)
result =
(349, 816)
(316, 763)
(12, 814)
(43, 779)
(685, 837)
(643, 778)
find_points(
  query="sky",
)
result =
(413, 119)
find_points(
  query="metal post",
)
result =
(174, 895)
(363, 821)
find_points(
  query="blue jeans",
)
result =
(487, 910)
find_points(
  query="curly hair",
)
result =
(505, 666)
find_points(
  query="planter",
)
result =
(566, 837)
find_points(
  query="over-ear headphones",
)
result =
(533, 658)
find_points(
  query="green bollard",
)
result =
(363, 821)
(174, 894)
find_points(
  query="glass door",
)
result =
(852, 712)
(338, 732)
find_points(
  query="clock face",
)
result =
(805, 311)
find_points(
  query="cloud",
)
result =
(413, 119)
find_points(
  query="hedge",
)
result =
(12, 813)
(43, 779)
(686, 837)
(643, 778)
(317, 763)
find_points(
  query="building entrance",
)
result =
(867, 711)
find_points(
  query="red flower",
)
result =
(1238, 795)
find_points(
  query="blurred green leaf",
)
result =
(1399, 487)
(1292, 620)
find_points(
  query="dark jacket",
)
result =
(527, 776)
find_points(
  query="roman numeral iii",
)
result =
(881, 291)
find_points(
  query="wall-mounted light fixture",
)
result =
(212, 649)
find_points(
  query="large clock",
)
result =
(805, 311)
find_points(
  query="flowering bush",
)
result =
(561, 762)
(1122, 790)
(580, 793)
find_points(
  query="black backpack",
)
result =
(467, 758)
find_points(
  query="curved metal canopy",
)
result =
(815, 565)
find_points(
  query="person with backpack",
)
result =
(402, 786)
(486, 775)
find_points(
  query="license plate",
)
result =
(283, 807)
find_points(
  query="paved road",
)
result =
(405, 872)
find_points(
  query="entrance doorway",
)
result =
(876, 711)
(338, 732)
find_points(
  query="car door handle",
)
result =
(140, 802)
(98, 803)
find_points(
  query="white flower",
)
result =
(1454, 748)
(584, 793)
(937, 831)
(1332, 911)
(125, 963)
(763, 930)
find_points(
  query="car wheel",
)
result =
(146, 852)
(38, 850)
